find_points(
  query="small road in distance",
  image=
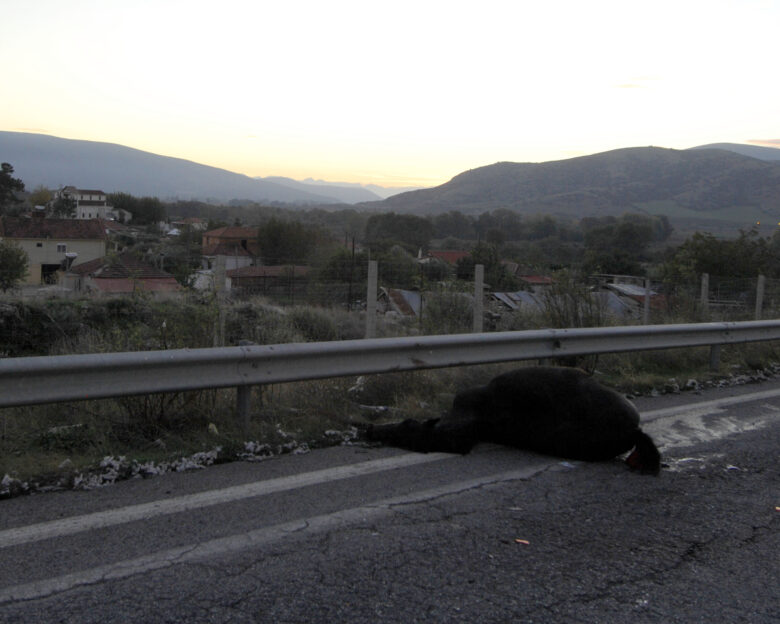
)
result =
(357, 534)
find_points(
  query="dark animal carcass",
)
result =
(552, 410)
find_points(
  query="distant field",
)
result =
(745, 216)
(724, 222)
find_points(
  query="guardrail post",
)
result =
(479, 287)
(243, 403)
(220, 278)
(371, 300)
(705, 292)
(760, 296)
(714, 357)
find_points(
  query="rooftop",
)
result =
(63, 229)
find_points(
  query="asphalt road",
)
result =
(354, 534)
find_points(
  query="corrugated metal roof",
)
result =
(407, 302)
(516, 300)
(630, 290)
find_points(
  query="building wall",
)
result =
(52, 251)
(93, 212)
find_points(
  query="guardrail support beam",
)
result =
(58, 378)
(243, 404)
(714, 357)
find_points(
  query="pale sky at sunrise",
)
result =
(392, 93)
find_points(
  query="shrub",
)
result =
(314, 324)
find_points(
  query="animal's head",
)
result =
(645, 457)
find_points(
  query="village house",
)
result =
(53, 244)
(189, 223)
(93, 204)
(236, 244)
(124, 274)
(450, 256)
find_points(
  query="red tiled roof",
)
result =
(225, 249)
(232, 231)
(268, 271)
(449, 256)
(125, 266)
(114, 226)
(540, 280)
(127, 285)
(63, 229)
(85, 268)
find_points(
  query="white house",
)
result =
(93, 204)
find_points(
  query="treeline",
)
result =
(633, 244)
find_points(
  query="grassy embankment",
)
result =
(55, 443)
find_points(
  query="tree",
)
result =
(9, 186)
(13, 264)
(745, 256)
(618, 245)
(454, 223)
(286, 242)
(64, 207)
(145, 210)
(40, 196)
(411, 232)
(496, 274)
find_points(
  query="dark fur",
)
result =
(550, 410)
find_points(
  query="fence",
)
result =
(52, 379)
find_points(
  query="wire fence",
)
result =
(297, 302)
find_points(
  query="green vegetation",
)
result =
(286, 242)
(145, 210)
(389, 229)
(745, 256)
(9, 186)
(63, 207)
(13, 265)
(326, 305)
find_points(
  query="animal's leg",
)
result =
(433, 435)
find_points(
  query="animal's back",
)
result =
(560, 411)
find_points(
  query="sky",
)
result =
(391, 93)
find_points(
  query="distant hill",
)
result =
(700, 184)
(54, 162)
(351, 194)
(754, 151)
(382, 191)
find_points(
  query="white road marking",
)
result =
(684, 425)
(715, 405)
(252, 539)
(111, 517)
(686, 422)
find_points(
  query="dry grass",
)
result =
(50, 439)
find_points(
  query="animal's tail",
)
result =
(645, 456)
(423, 437)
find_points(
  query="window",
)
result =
(61, 248)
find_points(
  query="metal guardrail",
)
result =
(51, 379)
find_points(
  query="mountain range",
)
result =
(714, 183)
(721, 184)
(54, 162)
